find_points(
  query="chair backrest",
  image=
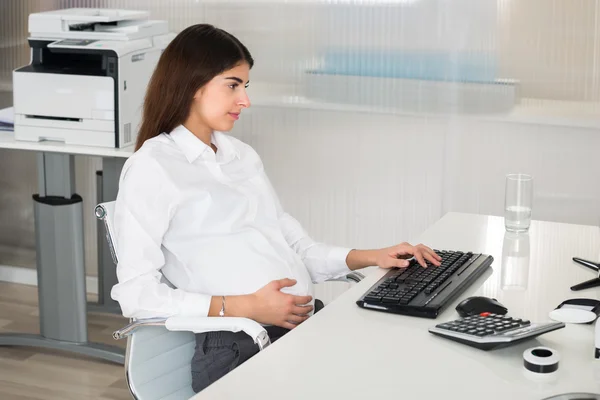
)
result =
(157, 361)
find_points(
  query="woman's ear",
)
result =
(198, 93)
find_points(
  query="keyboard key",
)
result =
(373, 299)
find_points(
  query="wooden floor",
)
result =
(32, 373)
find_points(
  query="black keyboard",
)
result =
(491, 331)
(425, 292)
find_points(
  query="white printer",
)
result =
(88, 76)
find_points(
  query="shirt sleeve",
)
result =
(144, 207)
(323, 261)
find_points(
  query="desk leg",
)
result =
(60, 265)
(107, 187)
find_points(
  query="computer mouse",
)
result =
(478, 304)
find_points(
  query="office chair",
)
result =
(160, 350)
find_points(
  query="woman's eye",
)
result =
(233, 86)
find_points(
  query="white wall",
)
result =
(368, 181)
(563, 161)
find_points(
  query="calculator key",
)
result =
(501, 328)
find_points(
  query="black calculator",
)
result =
(488, 331)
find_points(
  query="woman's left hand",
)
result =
(396, 256)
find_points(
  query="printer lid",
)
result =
(92, 15)
(94, 23)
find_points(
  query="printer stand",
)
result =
(60, 265)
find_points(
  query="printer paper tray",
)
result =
(76, 97)
(60, 123)
(85, 133)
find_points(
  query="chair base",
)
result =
(96, 350)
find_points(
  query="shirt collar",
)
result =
(192, 147)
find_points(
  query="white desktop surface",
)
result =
(346, 352)
(7, 141)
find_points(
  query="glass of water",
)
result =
(517, 202)
(516, 249)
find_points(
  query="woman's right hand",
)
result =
(273, 307)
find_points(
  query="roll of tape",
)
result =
(541, 360)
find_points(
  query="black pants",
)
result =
(219, 352)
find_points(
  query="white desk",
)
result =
(59, 247)
(7, 141)
(346, 352)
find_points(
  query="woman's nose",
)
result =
(244, 101)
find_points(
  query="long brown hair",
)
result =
(195, 56)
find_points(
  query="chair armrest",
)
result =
(135, 324)
(351, 277)
(202, 324)
(208, 324)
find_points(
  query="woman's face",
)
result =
(219, 103)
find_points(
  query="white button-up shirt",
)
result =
(211, 223)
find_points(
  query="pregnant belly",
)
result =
(241, 268)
